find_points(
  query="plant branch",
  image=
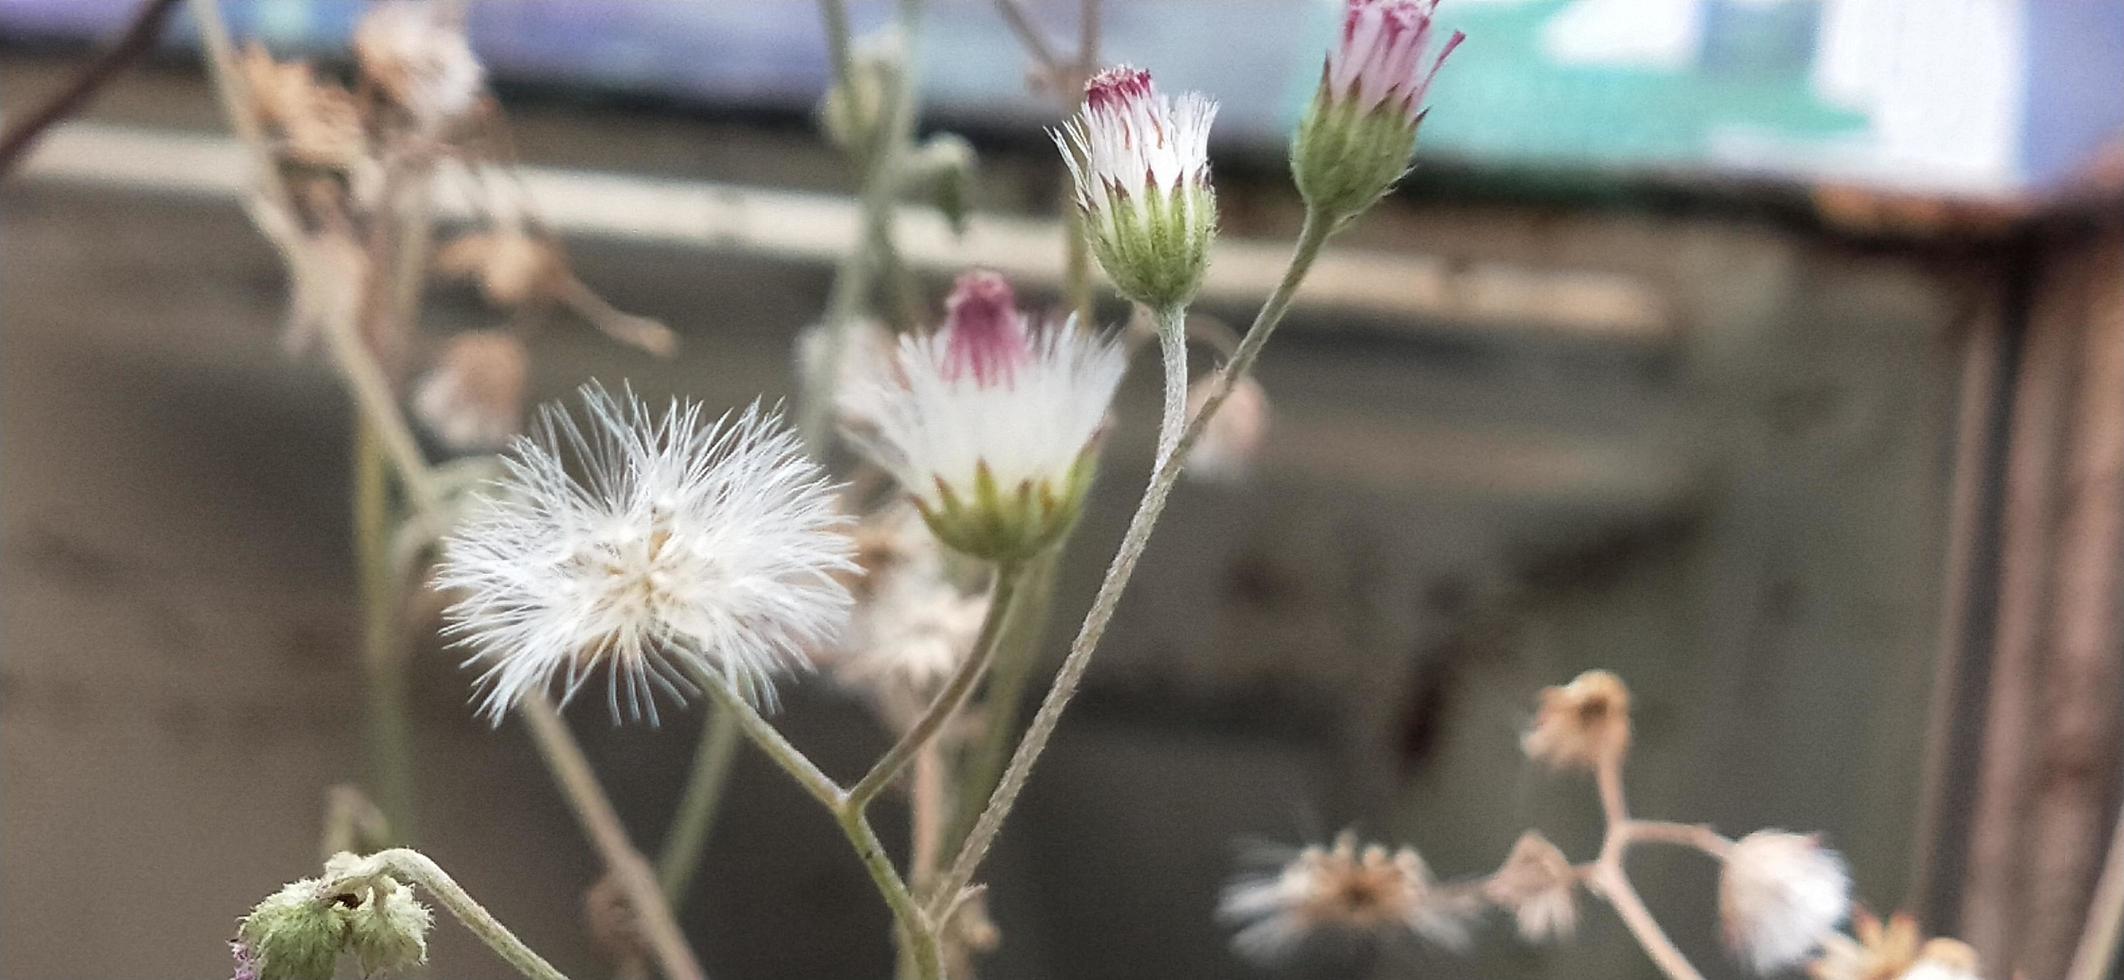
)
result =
(1009, 577)
(601, 823)
(1002, 704)
(146, 26)
(1612, 882)
(416, 868)
(1133, 543)
(712, 761)
(2097, 952)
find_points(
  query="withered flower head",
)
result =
(1538, 886)
(1892, 950)
(1581, 725)
(1348, 890)
(312, 124)
(473, 399)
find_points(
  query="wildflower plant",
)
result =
(667, 556)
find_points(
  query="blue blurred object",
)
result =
(1975, 97)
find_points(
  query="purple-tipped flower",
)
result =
(990, 424)
(1140, 161)
(1357, 137)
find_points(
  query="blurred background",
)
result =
(1767, 352)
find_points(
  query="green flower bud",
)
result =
(1140, 163)
(295, 934)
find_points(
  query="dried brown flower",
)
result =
(1891, 950)
(1581, 725)
(1538, 885)
(473, 399)
(1357, 891)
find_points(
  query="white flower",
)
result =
(1346, 890)
(1140, 163)
(987, 424)
(1779, 895)
(420, 60)
(683, 547)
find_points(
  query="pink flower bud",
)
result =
(983, 331)
(1380, 60)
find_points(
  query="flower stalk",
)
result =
(416, 868)
(710, 774)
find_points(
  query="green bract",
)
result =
(1004, 525)
(1344, 160)
(1154, 243)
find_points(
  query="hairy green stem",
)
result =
(415, 868)
(918, 935)
(688, 836)
(1015, 659)
(1173, 342)
(636, 880)
(1009, 578)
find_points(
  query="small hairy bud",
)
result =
(1357, 136)
(852, 114)
(1581, 725)
(297, 933)
(389, 930)
(1779, 896)
(944, 167)
(1140, 164)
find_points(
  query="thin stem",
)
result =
(840, 38)
(929, 806)
(139, 38)
(914, 926)
(917, 933)
(2105, 917)
(1613, 882)
(1013, 670)
(1009, 578)
(415, 868)
(383, 652)
(1614, 885)
(1693, 836)
(601, 823)
(712, 761)
(1173, 341)
(770, 740)
(1030, 35)
(1312, 236)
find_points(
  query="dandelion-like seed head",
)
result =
(1779, 896)
(1343, 890)
(1140, 164)
(684, 547)
(1539, 887)
(1358, 135)
(1581, 725)
(990, 426)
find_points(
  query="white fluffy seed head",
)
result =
(659, 544)
(1779, 895)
